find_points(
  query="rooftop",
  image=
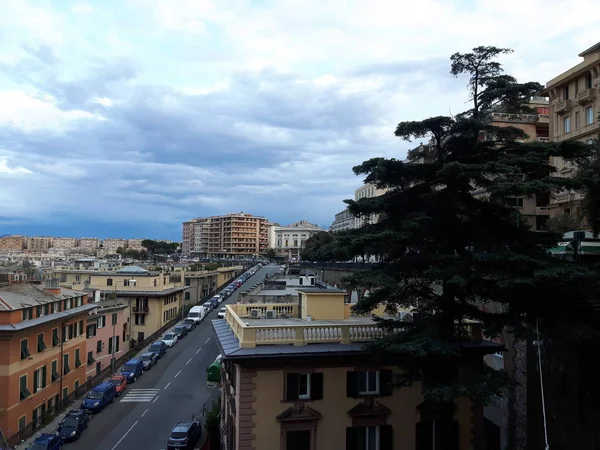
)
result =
(133, 269)
(48, 318)
(26, 295)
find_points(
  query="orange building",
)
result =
(42, 349)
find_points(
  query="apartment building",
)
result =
(154, 298)
(91, 244)
(203, 283)
(42, 349)
(135, 244)
(291, 239)
(12, 243)
(111, 245)
(343, 221)
(230, 235)
(574, 110)
(38, 243)
(106, 328)
(295, 376)
(367, 191)
(64, 243)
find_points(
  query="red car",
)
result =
(120, 383)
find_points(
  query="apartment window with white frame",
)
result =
(101, 321)
(589, 115)
(567, 124)
(368, 382)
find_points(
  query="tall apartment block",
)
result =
(574, 109)
(237, 234)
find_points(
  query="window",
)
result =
(577, 125)
(566, 93)
(114, 319)
(429, 434)
(186, 295)
(54, 368)
(27, 313)
(38, 311)
(76, 384)
(23, 391)
(39, 379)
(110, 345)
(101, 321)
(41, 345)
(90, 331)
(46, 309)
(65, 392)
(369, 382)
(68, 303)
(567, 124)
(371, 438)
(77, 358)
(25, 349)
(66, 368)
(588, 81)
(298, 440)
(109, 282)
(90, 358)
(188, 282)
(99, 347)
(589, 115)
(140, 319)
(22, 422)
(55, 340)
(304, 386)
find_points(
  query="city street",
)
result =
(173, 390)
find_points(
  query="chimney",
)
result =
(52, 286)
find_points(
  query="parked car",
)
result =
(73, 424)
(158, 347)
(184, 435)
(181, 331)
(190, 324)
(148, 359)
(120, 382)
(99, 397)
(47, 441)
(197, 313)
(169, 339)
(133, 369)
(221, 313)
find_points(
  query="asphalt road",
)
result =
(173, 390)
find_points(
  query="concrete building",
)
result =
(343, 221)
(295, 376)
(64, 243)
(291, 239)
(230, 235)
(366, 191)
(111, 245)
(574, 110)
(12, 243)
(154, 297)
(135, 244)
(204, 283)
(42, 349)
(38, 243)
(90, 244)
(272, 239)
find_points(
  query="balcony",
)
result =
(505, 117)
(586, 96)
(561, 106)
(544, 118)
(542, 210)
(141, 309)
(543, 139)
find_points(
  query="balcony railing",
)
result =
(505, 117)
(543, 139)
(586, 96)
(562, 105)
(141, 309)
(542, 210)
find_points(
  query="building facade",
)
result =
(204, 283)
(42, 349)
(574, 109)
(343, 221)
(291, 239)
(135, 244)
(230, 235)
(295, 376)
(272, 236)
(89, 244)
(38, 243)
(64, 242)
(12, 243)
(154, 298)
(111, 245)
(367, 191)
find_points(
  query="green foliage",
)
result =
(159, 247)
(206, 266)
(449, 254)
(212, 427)
(322, 247)
(588, 174)
(28, 267)
(270, 254)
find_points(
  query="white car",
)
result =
(221, 313)
(169, 339)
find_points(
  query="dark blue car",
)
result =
(99, 397)
(158, 347)
(47, 441)
(133, 369)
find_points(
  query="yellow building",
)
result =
(295, 376)
(14, 243)
(203, 283)
(154, 297)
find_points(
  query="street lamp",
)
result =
(114, 322)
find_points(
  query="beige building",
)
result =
(12, 243)
(206, 282)
(574, 110)
(64, 242)
(111, 245)
(89, 243)
(367, 191)
(135, 244)
(343, 221)
(154, 297)
(230, 235)
(272, 236)
(38, 243)
(291, 239)
(295, 376)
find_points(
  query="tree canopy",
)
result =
(451, 244)
(159, 247)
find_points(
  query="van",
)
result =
(99, 397)
(133, 369)
(197, 313)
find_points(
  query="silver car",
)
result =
(149, 359)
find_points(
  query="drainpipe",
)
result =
(62, 361)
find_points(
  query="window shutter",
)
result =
(446, 435)
(291, 391)
(352, 439)
(44, 376)
(424, 436)
(385, 382)
(352, 384)
(385, 437)
(316, 386)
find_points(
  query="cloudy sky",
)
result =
(126, 117)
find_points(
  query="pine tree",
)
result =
(451, 255)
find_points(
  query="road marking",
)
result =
(207, 341)
(140, 395)
(156, 398)
(144, 413)
(189, 361)
(168, 384)
(125, 435)
(177, 374)
(198, 351)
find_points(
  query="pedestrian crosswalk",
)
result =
(140, 395)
